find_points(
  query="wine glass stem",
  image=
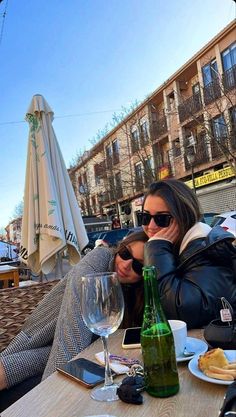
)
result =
(108, 375)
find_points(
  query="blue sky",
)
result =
(89, 56)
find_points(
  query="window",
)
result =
(99, 170)
(233, 126)
(85, 179)
(211, 82)
(144, 132)
(138, 176)
(134, 139)
(115, 151)
(109, 156)
(111, 187)
(229, 66)
(79, 180)
(176, 148)
(148, 171)
(210, 72)
(219, 127)
(229, 57)
(118, 185)
(171, 102)
(233, 117)
(115, 146)
(82, 206)
(94, 206)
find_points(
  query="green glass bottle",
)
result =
(160, 368)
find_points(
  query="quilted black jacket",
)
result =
(192, 283)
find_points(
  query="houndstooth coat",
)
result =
(55, 331)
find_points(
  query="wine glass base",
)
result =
(105, 393)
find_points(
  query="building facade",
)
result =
(13, 231)
(185, 129)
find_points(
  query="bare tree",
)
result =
(18, 210)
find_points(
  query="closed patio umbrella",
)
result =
(51, 219)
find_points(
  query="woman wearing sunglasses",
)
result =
(55, 331)
(195, 263)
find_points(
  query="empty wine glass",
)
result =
(102, 307)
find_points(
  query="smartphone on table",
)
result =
(131, 339)
(84, 371)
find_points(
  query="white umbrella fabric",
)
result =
(51, 219)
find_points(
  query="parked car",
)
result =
(134, 229)
(208, 217)
(113, 237)
(226, 220)
(92, 236)
(109, 237)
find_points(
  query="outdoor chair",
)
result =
(16, 304)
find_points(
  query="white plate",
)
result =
(197, 346)
(193, 367)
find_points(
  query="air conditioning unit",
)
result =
(190, 141)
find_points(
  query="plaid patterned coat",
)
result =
(55, 331)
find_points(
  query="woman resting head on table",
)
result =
(55, 332)
(196, 263)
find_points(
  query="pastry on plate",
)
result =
(214, 357)
(214, 364)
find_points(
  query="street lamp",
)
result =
(190, 154)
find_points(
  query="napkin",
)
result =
(117, 367)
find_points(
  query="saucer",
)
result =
(197, 346)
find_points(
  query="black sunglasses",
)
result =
(161, 220)
(125, 254)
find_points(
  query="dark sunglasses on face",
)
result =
(125, 254)
(161, 220)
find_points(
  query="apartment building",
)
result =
(13, 231)
(185, 129)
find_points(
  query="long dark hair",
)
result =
(181, 201)
(133, 293)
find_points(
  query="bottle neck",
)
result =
(152, 301)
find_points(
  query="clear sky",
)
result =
(88, 58)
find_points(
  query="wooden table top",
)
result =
(59, 396)
(7, 268)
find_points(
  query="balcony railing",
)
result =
(229, 78)
(200, 152)
(212, 91)
(103, 198)
(189, 107)
(158, 127)
(216, 149)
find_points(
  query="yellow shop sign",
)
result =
(215, 176)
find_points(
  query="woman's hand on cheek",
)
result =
(169, 233)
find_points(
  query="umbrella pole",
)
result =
(59, 266)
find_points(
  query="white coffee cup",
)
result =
(179, 330)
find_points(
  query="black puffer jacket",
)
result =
(192, 283)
